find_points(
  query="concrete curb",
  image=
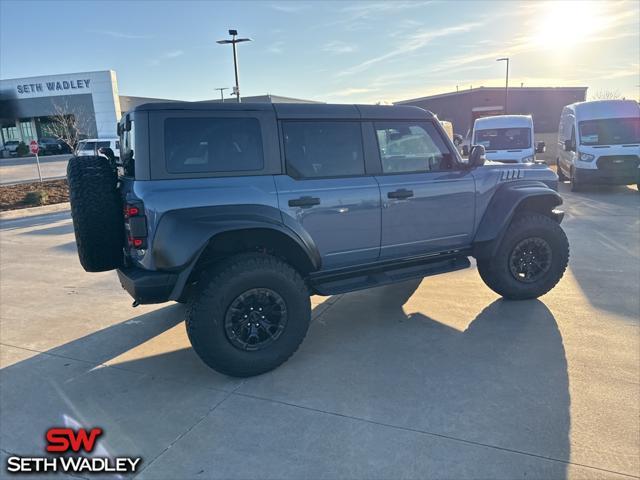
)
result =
(34, 211)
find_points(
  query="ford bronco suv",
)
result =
(242, 211)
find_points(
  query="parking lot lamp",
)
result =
(506, 83)
(222, 89)
(234, 40)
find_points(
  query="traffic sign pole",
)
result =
(38, 165)
(35, 148)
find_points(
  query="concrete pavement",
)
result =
(24, 169)
(427, 379)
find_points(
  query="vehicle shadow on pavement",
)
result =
(605, 221)
(502, 382)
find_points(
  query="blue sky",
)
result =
(330, 51)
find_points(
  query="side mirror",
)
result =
(465, 150)
(477, 156)
(127, 124)
(541, 147)
(568, 146)
(119, 129)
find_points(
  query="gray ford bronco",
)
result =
(242, 211)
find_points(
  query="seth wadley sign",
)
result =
(53, 86)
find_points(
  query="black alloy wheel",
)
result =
(530, 259)
(255, 319)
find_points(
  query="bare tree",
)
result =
(604, 94)
(69, 123)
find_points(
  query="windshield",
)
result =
(84, 146)
(610, 131)
(503, 138)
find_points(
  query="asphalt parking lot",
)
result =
(433, 378)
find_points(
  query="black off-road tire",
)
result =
(96, 208)
(215, 292)
(496, 272)
(575, 186)
(561, 176)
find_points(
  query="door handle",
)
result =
(304, 202)
(400, 194)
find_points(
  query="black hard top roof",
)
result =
(299, 110)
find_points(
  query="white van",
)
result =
(506, 138)
(599, 142)
(90, 146)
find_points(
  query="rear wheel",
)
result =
(530, 260)
(248, 315)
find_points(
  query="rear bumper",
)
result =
(146, 286)
(607, 177)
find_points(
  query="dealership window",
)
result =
(194, 145)
(27, 131)
(9, 133)
(407, 147)
(323, 149)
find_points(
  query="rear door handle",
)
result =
(400, 194)
(304, 202)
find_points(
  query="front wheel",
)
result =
(248, 315)
(575, 186)
(561, 176)
(530, 260)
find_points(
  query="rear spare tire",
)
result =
(97, 213)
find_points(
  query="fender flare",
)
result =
(183, 234)
(503, 206)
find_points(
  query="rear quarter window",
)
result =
(199, 145)
(323, 149)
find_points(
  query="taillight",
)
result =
(132, 211)
(136, 225)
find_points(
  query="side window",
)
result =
(407, 147)
(573, 136)
(323, 149)
(197, 145)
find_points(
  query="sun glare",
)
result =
(567, 23)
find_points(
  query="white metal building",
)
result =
(27, 104)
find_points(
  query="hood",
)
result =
(513, 156)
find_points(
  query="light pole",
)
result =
(506, 83)
(222, 89)
(233, 42)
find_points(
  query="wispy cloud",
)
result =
(122, 35)
(173, 53)
(338, 47)
(168, 55)
(359, 15)
(276, 47)
(412, 43)
(347, 92)
(368, 10)
(290, 7)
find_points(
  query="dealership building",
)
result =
(29, 106)
(461, 108)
